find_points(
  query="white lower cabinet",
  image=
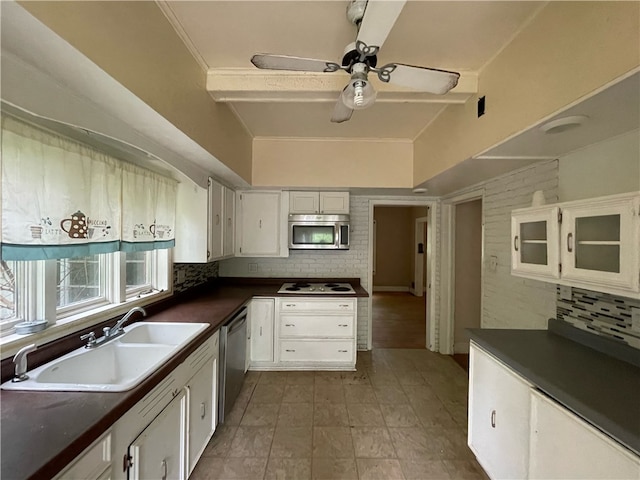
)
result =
(261, 318)
(159, 451)
(498, 417)
(92, 464)
(563, 446)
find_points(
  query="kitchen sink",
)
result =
(116, 365)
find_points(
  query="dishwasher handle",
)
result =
(237, 322)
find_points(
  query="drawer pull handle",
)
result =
(164, 469)
(290, 305)
(343, 325)
(570, 242)
(289, 350)
(203, 410)
(343, 351)
(493, 419)
(289, 324)
(515, 243)
(344, 306)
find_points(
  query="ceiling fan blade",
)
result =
(425, 79)
(378, 19)
(298, 64)
(341, 113)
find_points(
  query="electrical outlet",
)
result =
(635, 319)
(253, 268)
(565, 292)
(181, 276)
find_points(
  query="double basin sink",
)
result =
(116, 365)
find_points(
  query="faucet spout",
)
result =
(117, 328)
(20, 359)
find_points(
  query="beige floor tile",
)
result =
(295, 415)
(424, 470)
(234, 417)
(379, 469)
(382, 377)
(359, 394)
(330, 415)
(331, 378)
(464, 469)
(457, 448)
(260, 415)
(390, 394)
(251, 442)
(372, 442)
(329, 393)
(410, 377)
(273, 378)
(334, 469)
(243, 469)
(220, 443)
(365, 415)
(401, 415)
(208, 468)
(419, 393)
(359, 377)
(288, 469)
(300, 378)
(251, 378)
(298, 394)
(416, 443)
(433, 414)
(292, 442)
(332, 442)
(268, 393)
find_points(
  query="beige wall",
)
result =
(567, 52)
(394, 246)
(332, 163)
(606, 168)
(468, 255)
(135, 44)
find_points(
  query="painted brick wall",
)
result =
(508, 301)
(332, 263)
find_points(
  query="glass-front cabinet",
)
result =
(534, 242)
(600, 242)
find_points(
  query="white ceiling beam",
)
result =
(251, 85)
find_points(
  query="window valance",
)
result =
(62, 199)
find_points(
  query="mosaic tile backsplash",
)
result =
(600, 313)
(194, 274)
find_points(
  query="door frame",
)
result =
(432, 229)
(447, 266)
(420, 263)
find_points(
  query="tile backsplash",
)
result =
(192, 274)
(602, 314)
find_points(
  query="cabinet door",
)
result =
(259, 221)
(499, 403)
(229, 222)
(261, 318)
(304, 202)
(334, 202)
(93, 464)
(563, 446)
(158, 452)
(193, 239)
(534, 242)
(599, 243)
(202, 392)
(216, 218)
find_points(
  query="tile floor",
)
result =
(402, 415)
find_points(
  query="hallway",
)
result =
(398, 320)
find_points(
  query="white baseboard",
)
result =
(390, 289)
(461, 347)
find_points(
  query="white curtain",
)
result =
(61, 199)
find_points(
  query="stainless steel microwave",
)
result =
(310, 232)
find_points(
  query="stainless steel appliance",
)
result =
(233, 351)
(326, 288)
(310, 232)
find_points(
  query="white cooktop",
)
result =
(328, 288)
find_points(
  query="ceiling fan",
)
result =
(374, 19)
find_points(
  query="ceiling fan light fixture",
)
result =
(359, 94)
(563, 124)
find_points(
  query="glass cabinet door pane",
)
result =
(533, 253)
(601, 258)
(533, 242)
(533, 231)
(603, 228)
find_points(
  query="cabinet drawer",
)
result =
(92, 462)
(317, 351)
(345, 305)
(316, 325)
(203, 353)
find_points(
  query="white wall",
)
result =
(606, 168)
(508, 301)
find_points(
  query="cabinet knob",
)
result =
(493, 419)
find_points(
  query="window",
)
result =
(80, 281)
(139, 272)
(8, 298)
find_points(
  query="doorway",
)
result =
(399, 274)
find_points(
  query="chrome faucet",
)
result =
(117, 329)
(20, 359)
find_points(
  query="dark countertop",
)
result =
(599, 388)
(42, 432)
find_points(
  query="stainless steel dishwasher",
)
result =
(233, 351)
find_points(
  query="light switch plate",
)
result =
(635, 319)
(565, 292)
(181, 276)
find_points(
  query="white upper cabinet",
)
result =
(593, 244)
(261, 224)
(534, 242)
(319, 202)
(203, 231)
